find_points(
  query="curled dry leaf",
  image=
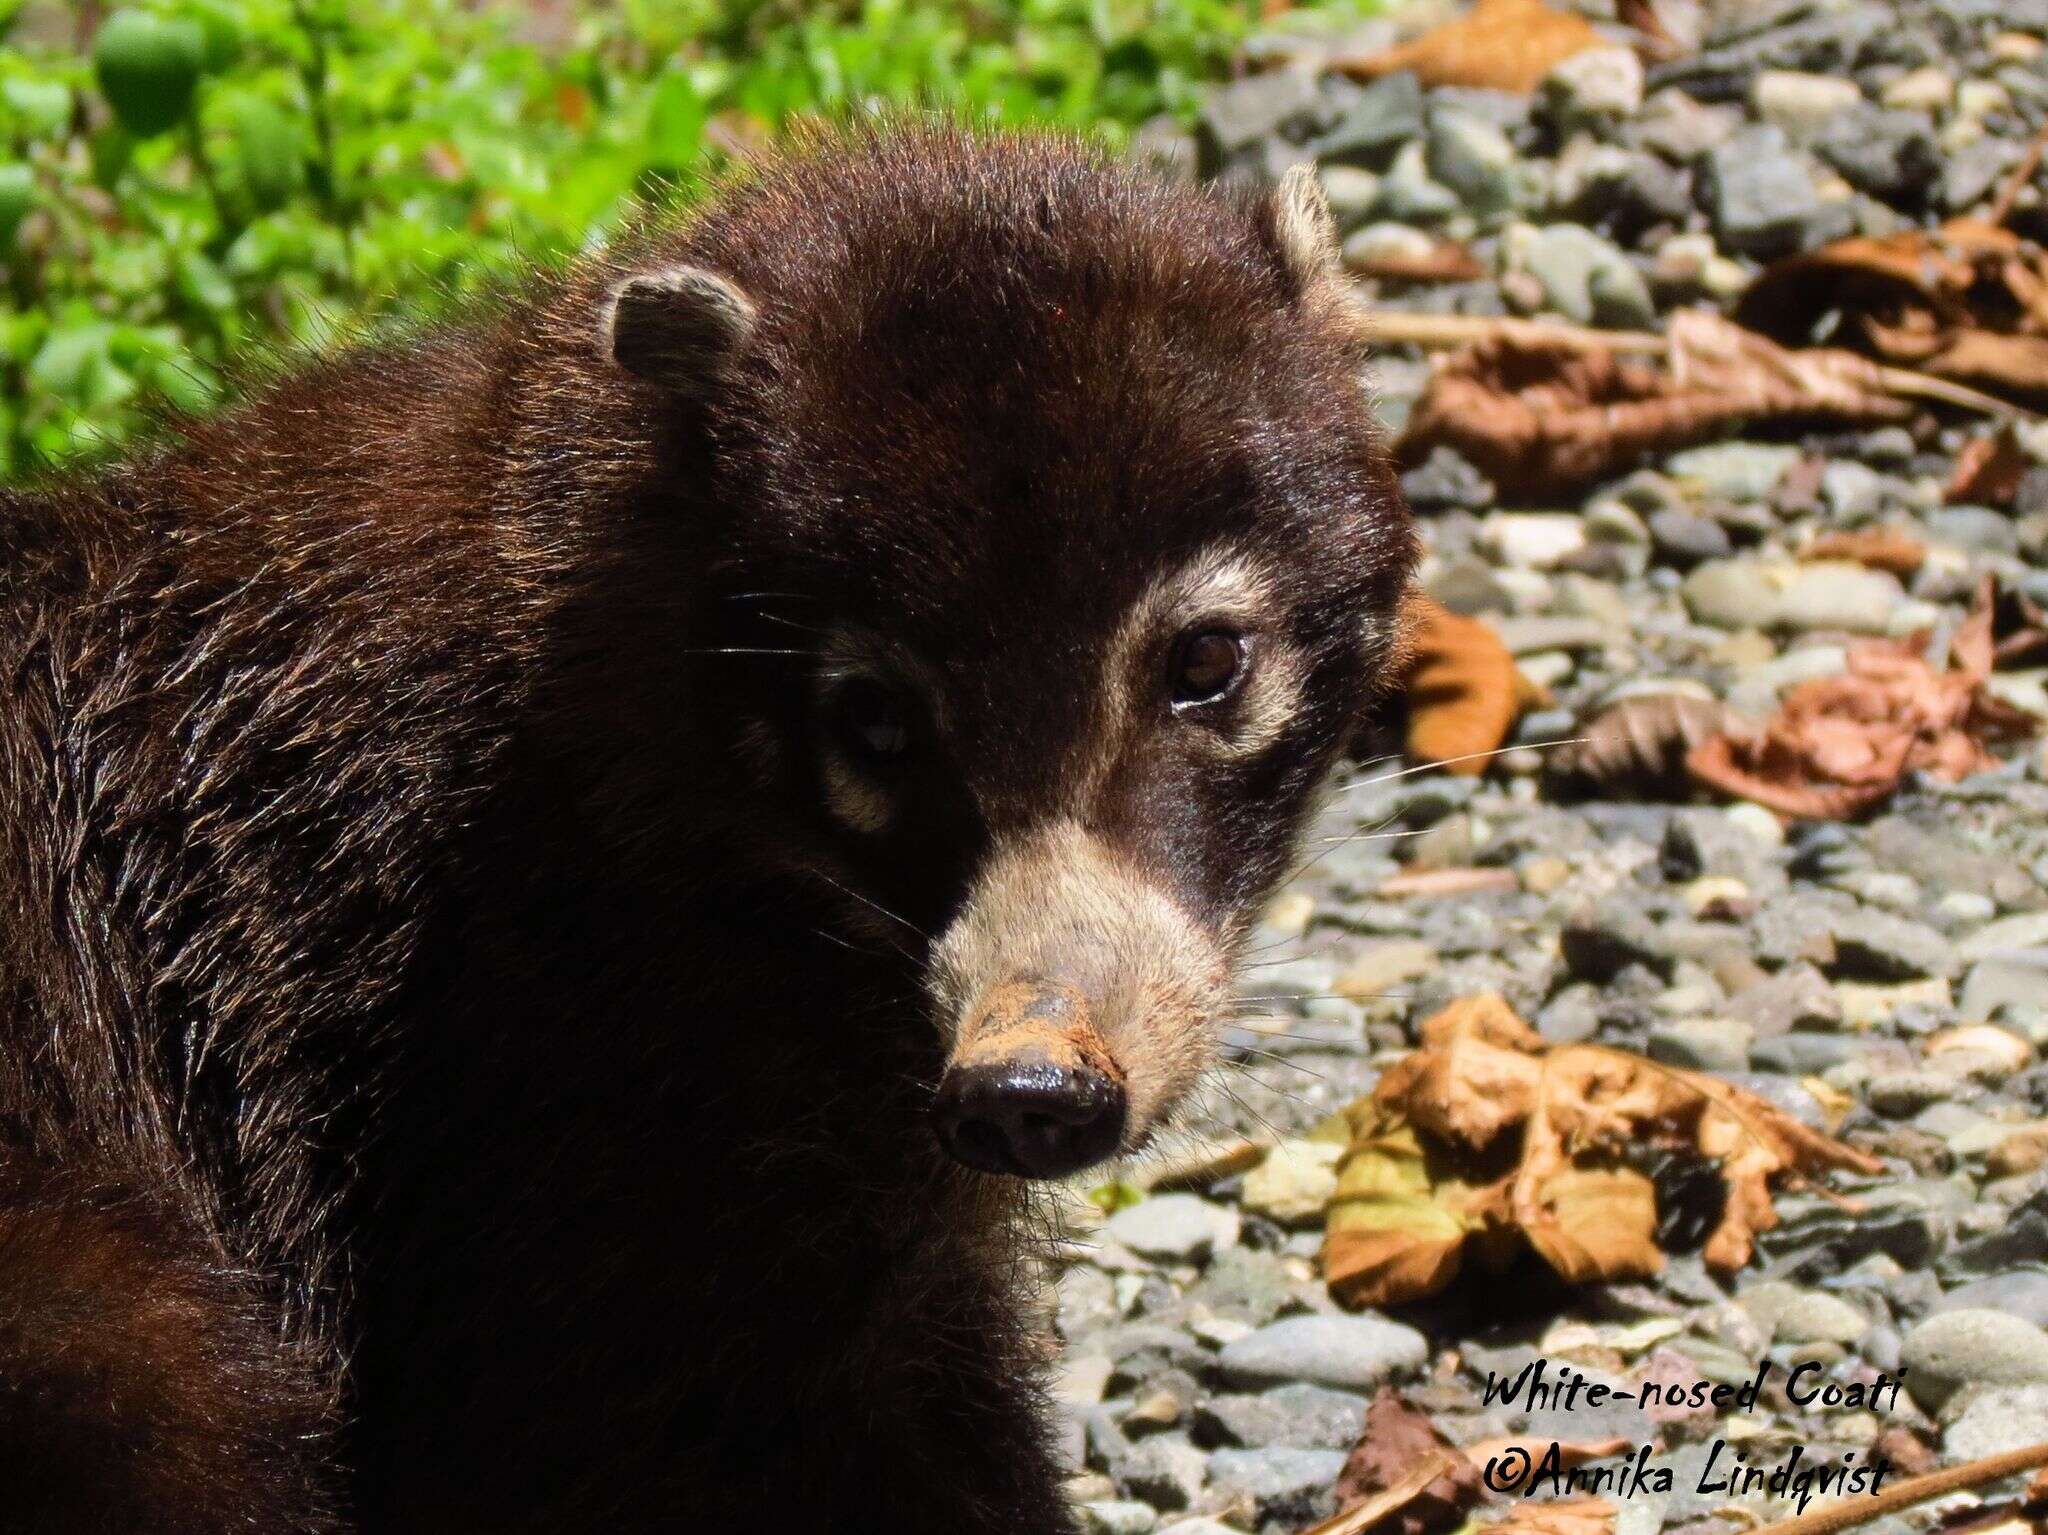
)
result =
(1487, 1138)
(1966, 302)
(1500, 45)
(1839, 745)
(1463, 692)
(1988, 471)
(1538, 418)
(1638, 746)
(1396, 1438)
(1891, 549)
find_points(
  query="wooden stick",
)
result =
(1850, 1512)
(1364, 1516)
(1202, 1166)
(2016, 181)
(1437, 331)
(1393, 327)
(1927, 387)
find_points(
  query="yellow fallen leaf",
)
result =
(1488, 1137)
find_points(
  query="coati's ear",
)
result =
(1297, 221)
(676, 326)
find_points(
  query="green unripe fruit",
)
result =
(149, 69)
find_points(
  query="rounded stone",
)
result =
(1174, 1228)
(1972, 1347)
(1349, 1353)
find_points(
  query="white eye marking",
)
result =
(1220, 591)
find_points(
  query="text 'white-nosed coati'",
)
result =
(549, 869)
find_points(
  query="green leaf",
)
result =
(41, 108)
(73, 365)
(17, 196)
(203, 284)
(271, 153)
(675, 121)
(220, 30)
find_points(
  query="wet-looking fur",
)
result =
(470, 1008)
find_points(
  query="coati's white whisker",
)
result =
(790, 623)
(740, 650)
(1424, 767)
(1280, 1060)
(874, 906)
(1375, 830)
(1271, 1128)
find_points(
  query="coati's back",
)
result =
(248, 685)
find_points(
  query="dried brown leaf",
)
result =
(1637, 747)
(1397, 1436)
(1839, 745)
(1966, 302)
(1403, 1216)
(1540, 417)
(1500, 45)
(1487, 1132)
(1988, 471)
(1589, 1223)
(1463, 691)
(1475, 1076)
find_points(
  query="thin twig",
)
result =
(1915, 1489)
(2016, 181)
(1388, 327)
(1200, 1166)
(1395, 328)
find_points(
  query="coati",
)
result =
(560, 874)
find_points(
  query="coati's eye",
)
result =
(1205, 666)
(873, 722)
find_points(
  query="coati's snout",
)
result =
(1038, 1092)
(1081, 998)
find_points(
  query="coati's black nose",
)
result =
(1029, 1117)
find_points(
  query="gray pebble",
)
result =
(1351, 1353)
(1972, 1347)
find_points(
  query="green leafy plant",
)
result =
(200, 184)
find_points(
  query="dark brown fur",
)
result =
(444, 1083)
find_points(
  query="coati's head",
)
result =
(1049, 497)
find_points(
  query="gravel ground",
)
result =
(1206, 1375)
